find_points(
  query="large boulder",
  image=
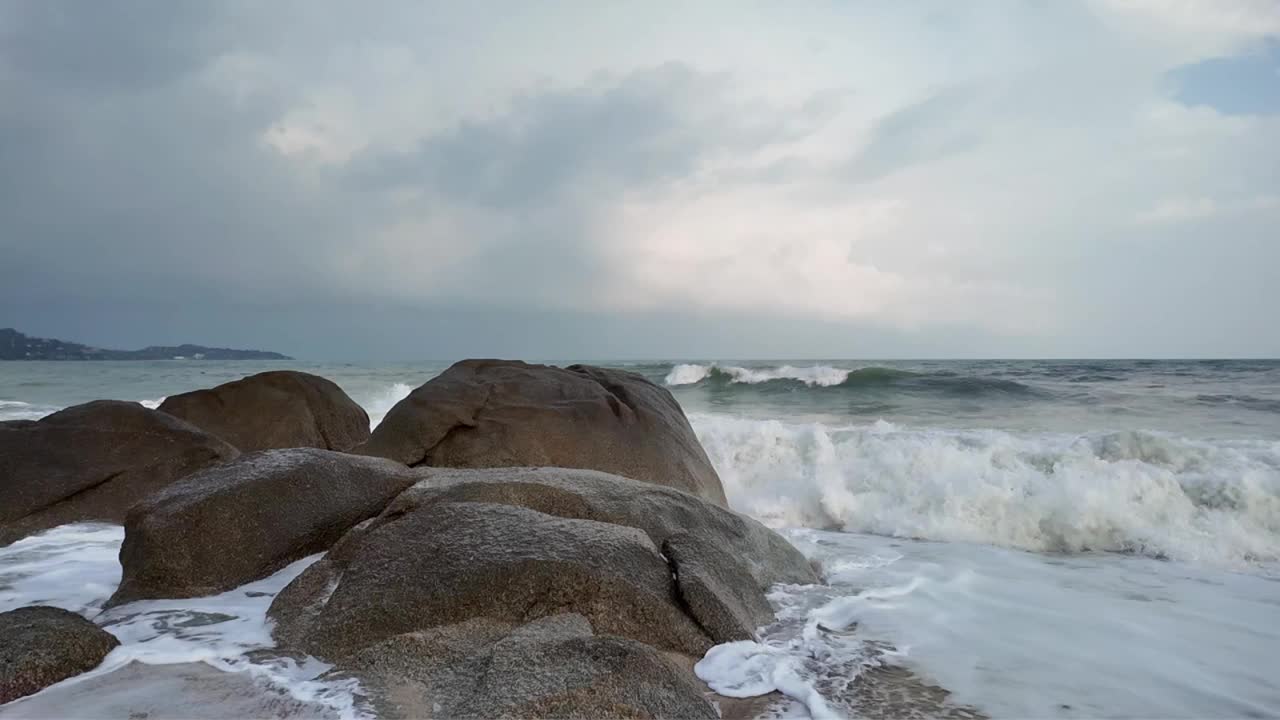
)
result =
(278, 409)
(497, 413)
(501, 543)
(553, 667)
(536, 592)
(93, 462)
(450, 562)
(233, 523)
(44, 645)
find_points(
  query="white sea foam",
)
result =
(381, 403)
(816, 375)
(787, 665)
(687, 374)
(19, 410)
(1146, 493)
(1015, 634)
(73, 567)
(76, 567)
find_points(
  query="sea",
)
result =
(1031, 539)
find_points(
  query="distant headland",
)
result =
(17, 346)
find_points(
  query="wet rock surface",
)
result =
(277, 409)
(93, 462)
(40, 646)
(593, 592)
(243, 520)
(499, 413)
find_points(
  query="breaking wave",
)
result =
(18, 410)
(825, 376)
(380, 404)
(819, 375)
(1133, 492)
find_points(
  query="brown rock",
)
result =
(537, 592)
(93, 462)
(452, 562)
(277, 409)
(44, 645)
(713, 584)
(766, 557)
(243, 520)
(497, 413)
(553, 667)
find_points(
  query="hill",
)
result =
(18, 346)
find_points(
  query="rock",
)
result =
(723, 562)
(93, 462)
(660, 512)
(552, 667)
(278, 409)
(138, 691)
(233, 523)
(536, 592)
(45, 645)
(710, 581)
(496, 413)
(447, 563)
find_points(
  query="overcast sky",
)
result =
(411, 180)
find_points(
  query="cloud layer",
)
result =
(581, 180)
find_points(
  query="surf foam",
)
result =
(380, 404)
(1135, 492)
(816, 375)
(19, 410)
(76, 567)
(927, 629)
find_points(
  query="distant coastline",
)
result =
(18, 346)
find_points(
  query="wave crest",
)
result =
(19, 410)
(380, 404)
(816, 375)
(1134, 492)
(825, 376)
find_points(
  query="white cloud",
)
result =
(1182, 210)
(1201, 28)
(1178, 210)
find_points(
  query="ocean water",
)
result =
(1009, 538)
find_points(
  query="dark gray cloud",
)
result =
(644, 127)
(103, 48)
(129, 175)
(924, 131)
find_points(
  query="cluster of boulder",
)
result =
(512, 540)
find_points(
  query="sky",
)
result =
(409, 180)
